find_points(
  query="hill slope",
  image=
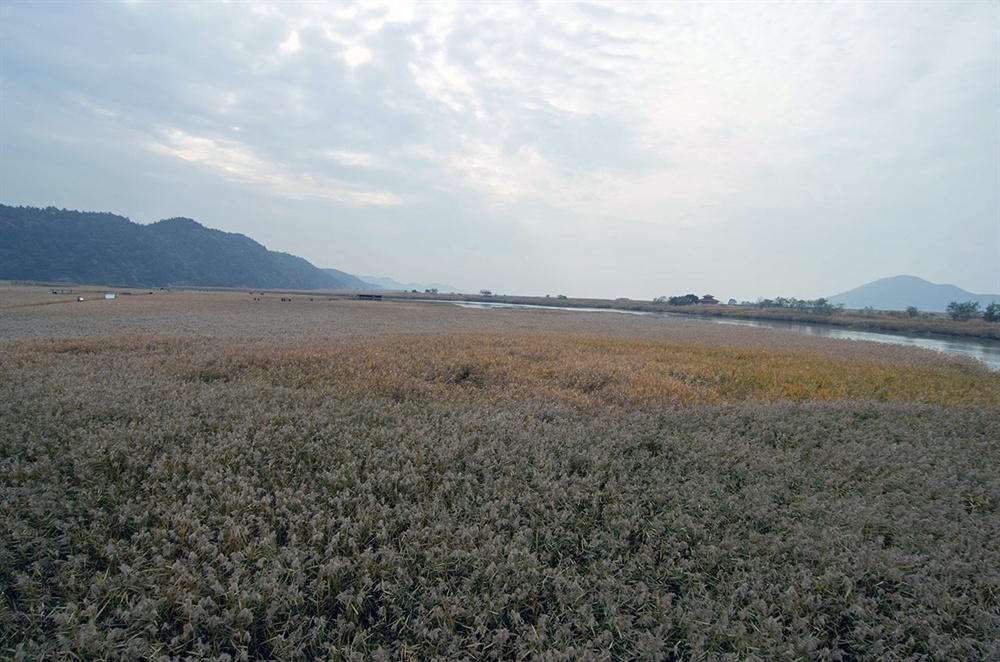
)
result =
(396, 286)
(351, 282)
(898, 292)
(104, 249)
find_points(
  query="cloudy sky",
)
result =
(589, 149)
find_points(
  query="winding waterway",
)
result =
(983, 350)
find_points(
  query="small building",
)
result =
(109, 296)
(709, 299)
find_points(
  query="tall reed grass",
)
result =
(493, 496)
(597, 372)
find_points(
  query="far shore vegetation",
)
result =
(961, 319)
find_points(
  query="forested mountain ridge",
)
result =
(60, 245)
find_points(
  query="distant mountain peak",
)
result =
(900, 292)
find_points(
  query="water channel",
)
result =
(983, 350)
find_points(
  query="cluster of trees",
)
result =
(815, 306)
(683, 300)
(967, 310)
(687, 300)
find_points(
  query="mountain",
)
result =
(899, 292)
(60, 245)
(351, 282)
(395, 285)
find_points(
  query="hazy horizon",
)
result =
(588, 149)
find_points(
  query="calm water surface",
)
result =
(982, 350)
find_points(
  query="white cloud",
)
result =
(291, 45)
(356, 55)
(237, 162)
(354, 159)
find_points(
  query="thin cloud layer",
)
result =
(604, 149)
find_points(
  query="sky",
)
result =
(592, 149)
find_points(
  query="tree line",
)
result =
(960, 311)
(819, 306)
(967, 310)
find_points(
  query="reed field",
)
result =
(227, 476)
